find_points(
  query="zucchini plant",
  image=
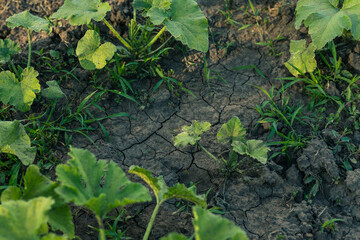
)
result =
(326, 20)
(231, 133)
(183, 19)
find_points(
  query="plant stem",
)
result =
(101, 228)
(154, 39)
(208, 153)
(151, 222)
(29, 45)
(122, 40)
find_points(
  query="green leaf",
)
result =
(188, 24)
(14, 140)
(52, 236)
(148, 4)
(27, 20)
(301, 57)
(213, 227)
(180, 191)
(157, 15)
(158, 184)
(82, 11)
(174, 236)
(7, 48)
(53, 91)
(191, 134)
(352, 9)
(21, 220)
(97, 185)
(91, 54)
(20, 94)
(37, 185)
(231, 131)
(253, 148)
(11, 193)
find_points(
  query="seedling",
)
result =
(270, 45)
(232, 133)
(330, 224)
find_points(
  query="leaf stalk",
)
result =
(122, 40)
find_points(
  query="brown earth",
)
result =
(267, 202)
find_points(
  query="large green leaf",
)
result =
(163, 192)
(27, 20)
(21, 220)
(37, 185)
(191, 134)
(231, 131)
(302, 57)
(213, 227)
(82, 11)
(148, 4)
(7, 48)
(91, 54)
(326, 21)
(20, 94)
(188, 24)
(14, 140)
(97, 185)
(253, 148)
(53, 91)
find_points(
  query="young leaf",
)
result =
(213, 227)
(91, 54)
(191, 134)
(82, 183)
(188, 24)
(14, 140)
(24, 220)
(7, 48)
(20, 94)
(148, 4)
(53, 91)
(253, 148)
(82, 11)
(27, 20)
(231, 131)
(302, 57)
(158, 184)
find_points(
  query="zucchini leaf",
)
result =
(191, 134)
(302, 57)
(7, 48)
(253, 148)
(27, 20)
(231, 131)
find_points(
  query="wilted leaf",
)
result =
(21, 220)
(91, 54)
(53, 91)
(253, 148)
(302, 57)
(20, 94)
(14, 140)
(213, 227)
(158, 184)
(7, 48)
(191, 134)
(82, 11)
(231, 131)
(27, 20)
(188, 24)
(85, 182)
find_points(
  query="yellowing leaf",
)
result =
(21, 220)
(302, 58)
(82, 11)
(27, 20)
(98, 186)
(14, 140)
(91, 54)
(20, 94)
(231, 131)
(191, 134)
